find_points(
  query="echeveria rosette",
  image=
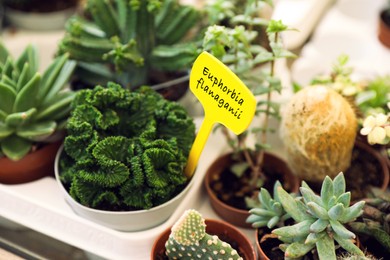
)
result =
(270, 211)
(319, 220)
(125, 150)
(189, 240)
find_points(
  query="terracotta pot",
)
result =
(33, 166)
(382, 161)
(214, 227)
(234, 215)
(384, 29)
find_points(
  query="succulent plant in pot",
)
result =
(125, 151)
(320, 221)
(132, 42)
(33, 113)
(237, 175)
(193, 237)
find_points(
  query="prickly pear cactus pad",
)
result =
(189, 240)
(318, 129)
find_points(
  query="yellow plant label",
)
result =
(225, 100)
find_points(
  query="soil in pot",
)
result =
(368, 168)
(223, 230)
(233, 190)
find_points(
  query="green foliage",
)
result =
(236, 47)
(375, 221)
(125, 150)
(125, 41)
(320, 220)
(189, 240)
(269, 212)
(33, 106)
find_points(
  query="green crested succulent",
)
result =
(33, 106)
(270, 211)
(320, 220)
(125, 150)
(189, 240)
(127, 41)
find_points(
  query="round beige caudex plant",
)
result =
(318, 129)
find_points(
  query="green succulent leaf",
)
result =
(312, 238)
(326, 190)
(319, 225)
(24, 77)
(37, 131)
(309, 196)
(298, 249)
(3, 53)
(326, 248)
(51, 75)
(348, 245)
(290, 205)
(26, 98)
(341, 230)
(5, 131)
(8, 95)
(336, 211)
(30, 56)
(15, 148)
(345, 199)
(339, 185)
(317, 210)
(58, 108)
(352, 212)
(297, 230)
(21, 118)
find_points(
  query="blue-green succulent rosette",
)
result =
(125, 150)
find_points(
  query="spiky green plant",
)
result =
(126, 41)
(125, 150)
(270, 211)
(189, 240)
(320, 220)
(33, 106)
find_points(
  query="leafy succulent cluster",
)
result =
(33, 106)
(124, 41)
(125, 150)
(320, 220)
(189, 240)
(270, 211)
(375, 221)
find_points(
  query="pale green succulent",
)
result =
(319, 220)
(189, 240)
(33, 106)
(269, 212)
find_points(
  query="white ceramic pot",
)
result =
(38, 21)
(123, 220)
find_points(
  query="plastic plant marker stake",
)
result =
(225, 100)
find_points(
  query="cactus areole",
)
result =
(318, 129)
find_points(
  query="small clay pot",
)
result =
(215, 227)
(234, 215)
(384, 28)
(33, 166)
